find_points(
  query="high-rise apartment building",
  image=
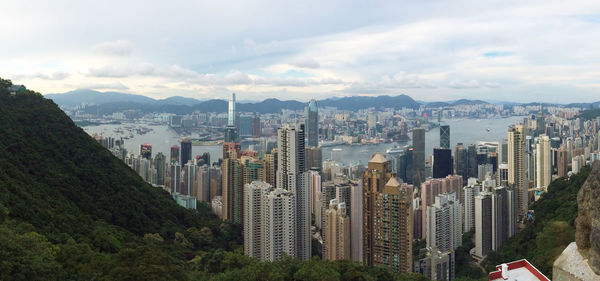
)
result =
(269, 222)
(356, 221)
(392, 245)
(483, 224)
(563, 162)
(378, 173)
(232, 184)
(271, 167)
(470, 192)
(292, 176)
(444, 222)
(543, 163)
(516, 166)
(336, 232)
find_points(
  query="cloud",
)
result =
(103, 86)
(57, 75)
(145, 69)
(471, 84)
(306, 63)
(114, 48)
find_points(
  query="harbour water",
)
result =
(467, 131)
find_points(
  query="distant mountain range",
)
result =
(78, 97)
(109, 102)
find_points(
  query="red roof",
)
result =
(519, 270)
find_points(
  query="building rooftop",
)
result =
(378, 158)
(393, 182)
(520, 270)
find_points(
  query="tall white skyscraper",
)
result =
(543, 162)
(189, 179)
(269, 222)
(231, 111)
(292, 176)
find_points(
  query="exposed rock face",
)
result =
(587, 224)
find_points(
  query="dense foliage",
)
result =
(73, 211)
(590, 114)
(544, 239)
(465, 266)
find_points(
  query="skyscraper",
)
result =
(174, 154)
(189, 178)
(442, 162)
(516, 166)
(378, 173)
(387, 239)
(312, 123)
(231, 111)
(472, 161)
(418, 141)
(271, 167)
(469, 206)
(393, 227)
(314, 159)
(483, 224)
(231, 134)
(445, 136)
(232, 183)
(159, 167)
(336, 232)
(500, 217)
(292, 176)
(186, 151)
(146, 151)
(543, 163)
(563, 162)
(461, 162)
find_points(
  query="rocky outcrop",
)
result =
(587, 224)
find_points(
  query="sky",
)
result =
(520, 51)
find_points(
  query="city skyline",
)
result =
(433, 51)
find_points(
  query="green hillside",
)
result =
(71, 210)
(543, 240)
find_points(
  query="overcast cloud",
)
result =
(438, 50)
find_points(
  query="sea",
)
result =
(466, 131)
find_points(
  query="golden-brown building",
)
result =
(387, 218)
